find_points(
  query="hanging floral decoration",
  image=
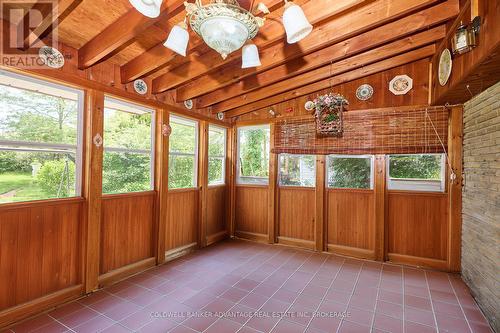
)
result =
(328, 111)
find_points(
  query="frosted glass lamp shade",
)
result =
(177, 40)
(149, 8)
(297, 26)
(250, 56)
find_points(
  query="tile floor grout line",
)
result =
(324, 296)
(372, 328)
(270, 258)
(430, 299)
(352, 293)
(300, 293)
(458, 301)
(404, 297)
(218, 297)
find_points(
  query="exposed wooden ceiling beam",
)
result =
(336, 68)
(402, 59)
(373, 38)
(159, 56)
(62, 9)
(121, 32)
(273, 32)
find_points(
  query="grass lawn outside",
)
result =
(23, 184)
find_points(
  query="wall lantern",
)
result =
(465, 38)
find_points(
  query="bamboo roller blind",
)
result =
(395, 131)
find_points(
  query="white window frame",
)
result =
(372, 171)
(250, 180)
(416, 185)
(223, 157)
(130, 107)
(187, 122)
(297, 155)
(49, 88)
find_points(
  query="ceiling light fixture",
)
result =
(225, 26)
(149, 8)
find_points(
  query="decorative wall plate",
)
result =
(188, 104)
(309, 105)
(220, 115)
(445, 65)
(364, 92)
(401, 84)
(51, 57)
(140, 87)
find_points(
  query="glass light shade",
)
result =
(177, 40)
(250, 56)
(297, 26)
(224, 35)
(149, 8)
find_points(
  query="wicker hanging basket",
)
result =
(328, 112)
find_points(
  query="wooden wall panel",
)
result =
(382, 97)
(216, 209)
(251, 209)
(126, 220)
(418, 224)
(40, 250)
(296, 213)
(351, 218)
(182, 223)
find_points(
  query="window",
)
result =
(40, 139)
(183, 159)
(355, 172)
(425, 172)
(128, 147)
(253, 155)
(216, 155)
(297, 170)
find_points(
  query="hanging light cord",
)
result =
(453, 175)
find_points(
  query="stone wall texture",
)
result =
(481, 201)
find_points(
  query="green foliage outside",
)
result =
(415, 167)
(349, 172)
(297, 170)
(254, 153)
(216, 153)
(181, 168)
(57, 178)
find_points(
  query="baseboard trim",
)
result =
(261, 238)
(403, 259)
(180, 251)
(302, 243)
(217, 237)
(38, 305)
(351, 251)
(125, 271)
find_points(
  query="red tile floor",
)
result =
(238, 286)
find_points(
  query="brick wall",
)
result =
(481, 201)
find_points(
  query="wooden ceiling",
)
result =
(350, 38)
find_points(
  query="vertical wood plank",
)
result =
(320, 202)
(455, 143)
(161, 182)
(231, 178)
(93, 186)
(273, 171)
(203, 183)
(380, 207)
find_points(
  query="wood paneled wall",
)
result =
(40, 250)
(351, 221)
(182, 218)
(216, 210)
(126, 220)
(296, 215)
(417, 226)
(251, 210)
